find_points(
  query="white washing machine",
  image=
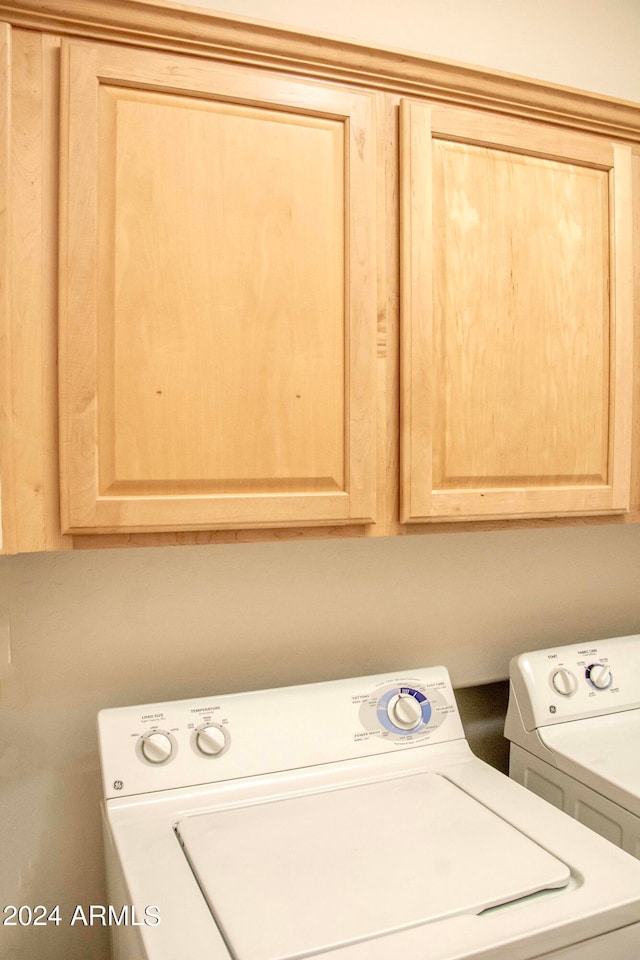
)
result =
(346, 820)
(574, 725)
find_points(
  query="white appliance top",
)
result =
(242, 816)
(603, 753)
(317, 872)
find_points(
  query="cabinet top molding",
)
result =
(184, 29)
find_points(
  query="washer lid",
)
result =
(297, 876)
(601, 752)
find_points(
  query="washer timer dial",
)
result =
(405, 711)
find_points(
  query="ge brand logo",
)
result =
(118, 784)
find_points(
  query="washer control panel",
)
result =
(576, 681)
(163, 746)
(406, 711)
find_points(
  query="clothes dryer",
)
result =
(574, 725)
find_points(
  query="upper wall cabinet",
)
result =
(516, 318)
(217, 311)
(259, 284)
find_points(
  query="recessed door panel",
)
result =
(521, 314)
(517, 318)
(219, 322)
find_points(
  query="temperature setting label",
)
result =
(402, 711)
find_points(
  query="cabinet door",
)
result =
(517, 318)
(218, 319)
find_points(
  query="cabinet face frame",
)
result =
(7, 523)
(86, 69)
(424, 497)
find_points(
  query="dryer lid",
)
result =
(297, 876)
(602, 753)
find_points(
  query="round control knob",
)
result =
(210, 741)
(564, 682)
(600, 675)
(156, 747)
(405, 711)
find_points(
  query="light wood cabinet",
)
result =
(258, 285)
(517, 318)
(217, 310)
